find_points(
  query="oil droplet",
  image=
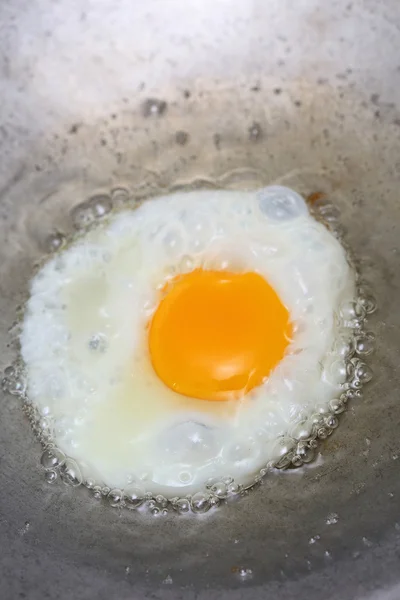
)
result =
(24, 530)
(332, 519)
(255, 132)
(181, 138)
(367, 542)
(314, 539)
(182, 505)
(244, 573)
(152, 107)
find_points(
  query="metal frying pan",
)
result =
(146, 95)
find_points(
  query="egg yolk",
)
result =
(215, 335)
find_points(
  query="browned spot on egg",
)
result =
(316, 197)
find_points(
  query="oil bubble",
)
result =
(301, 431)
(365, 343)
(9, 371)
(234, 488)
(344, 347)
(329, 212)
(82, 216)
(161, 501)
(119, 196)
(322, 433)
(52, 458)
(255, 132)
(281, 451)
(185, 477)
(363, 372)
(336, 373)
(152, 107)
(331, 422)
(70, 473)
(305, 452)
(352, 314)
(100, 204)
(55, 241)
(50, 476)
(367, 301)
(200, 503)
(280, 203)
(337, 406)
(14, 382)
(182, 505)
(115, 498)
(220, 490)
(96, 491)
(227, 480)
(133, 497)
(297, 460)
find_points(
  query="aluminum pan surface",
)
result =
(322, 84)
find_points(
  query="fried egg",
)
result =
(187, 340)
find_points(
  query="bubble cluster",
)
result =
(332, 519)
(14, 380)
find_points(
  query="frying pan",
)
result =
(143, 96)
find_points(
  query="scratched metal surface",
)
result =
(254, 92)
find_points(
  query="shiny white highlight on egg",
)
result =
(84, 339)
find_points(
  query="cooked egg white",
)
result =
(111, 318)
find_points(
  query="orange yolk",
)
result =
(216, 335)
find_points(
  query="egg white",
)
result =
(84, 338)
